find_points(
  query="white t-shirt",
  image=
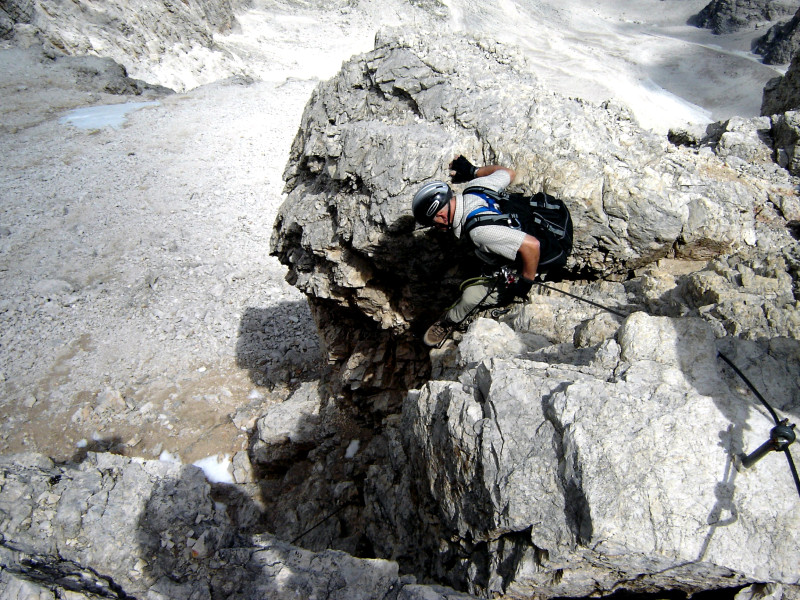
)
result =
(495, 239)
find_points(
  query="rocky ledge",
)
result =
(115, 527)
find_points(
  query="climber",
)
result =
(435, 204)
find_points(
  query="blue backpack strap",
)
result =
(489, 198)
(478, 216)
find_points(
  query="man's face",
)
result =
(441, 219)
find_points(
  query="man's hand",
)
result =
(519, 289)
(462, 170)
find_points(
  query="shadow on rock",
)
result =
(421, 269)
(113, 444)
(279, 344)
(311, 458)
(769, 363)
(193, 546)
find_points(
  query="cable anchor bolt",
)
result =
(780, 438)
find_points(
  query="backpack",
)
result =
(543, 216)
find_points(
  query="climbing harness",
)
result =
(504, 276)
(781, 436)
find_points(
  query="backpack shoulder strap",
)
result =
(492, 199)
(489, 219)
(485, 192)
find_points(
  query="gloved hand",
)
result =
(462, 170)
(519, 289)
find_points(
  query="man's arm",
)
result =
(489, 169)
(529, 252)
(462, 170)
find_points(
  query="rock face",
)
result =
(760, 147)
(561, 450)
(727, 16)
(780, 43)
(787, 141)
(567, 450)
(13, 12)
(394, 118)
(782, 94)
(129, 33)
(115, 527)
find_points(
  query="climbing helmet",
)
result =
(429, 200)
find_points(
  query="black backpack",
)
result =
(543, 216)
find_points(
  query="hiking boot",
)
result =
(438, 332)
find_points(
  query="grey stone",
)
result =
(121, 527)
(782, 94)
(289, 428)
(787, 134)
(727, 16)
(519, 466)
(781, 42)
(395, 117)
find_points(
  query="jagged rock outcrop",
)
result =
(568, 450)
(727, 16)
(395, 117)
(782, 94)
(759, 147)
(564, 451)
(780, 43)
(13, 12)
(787, 141)
(569, 474)
(117, 527)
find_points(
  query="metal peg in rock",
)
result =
(780, 438)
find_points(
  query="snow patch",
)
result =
(168, 457)
(97, 117)
(352, 449)
(218, 469)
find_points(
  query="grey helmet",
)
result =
(429, 200)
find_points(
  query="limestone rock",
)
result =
(727, 16)
(782, 94)
(13, 12)
(394, 118)
(288, 428)
(758, 149)
(119, 527)
(545, 475)
(129, 34)
(781, 42)
(787, 134)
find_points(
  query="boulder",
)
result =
(567, 479)
(758, 148)
(781, 42)
(13, 12)
(727, 16)
(782, 94)
(127, 528)
(787, 134)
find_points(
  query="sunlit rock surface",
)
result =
(394, 118)
(567, 450)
